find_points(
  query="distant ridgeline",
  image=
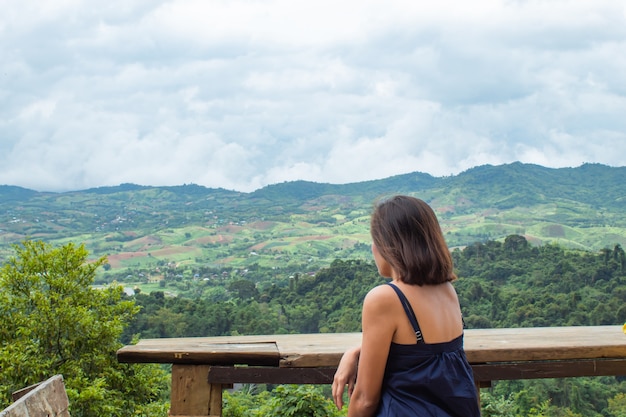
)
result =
(305, 222)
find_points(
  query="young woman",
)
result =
(411, 360)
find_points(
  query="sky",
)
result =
(239, 94)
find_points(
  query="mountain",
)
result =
(301, 221)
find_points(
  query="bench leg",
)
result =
(479, 385)
(192, 395)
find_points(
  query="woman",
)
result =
(411, 360)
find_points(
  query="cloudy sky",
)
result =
(243, 93)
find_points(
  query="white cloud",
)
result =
(243, 93)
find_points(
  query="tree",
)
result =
(55, 322)
(243, 289)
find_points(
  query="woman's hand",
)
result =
(345, 375)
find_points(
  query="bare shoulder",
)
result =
(379, 297)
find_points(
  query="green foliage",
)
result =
(501, 284)
(243, 289)
(330, 301)
(294, 222)
(300, 401)
(617, 405)
(243, 403)
(494, 406)
(517, 285)
(545, 409)
(54, 322)
(283, 401)
(589, 397)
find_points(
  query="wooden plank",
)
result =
(267, 375)
(482, 372)
(481, 345)
(200, 351)
(549, 369)
(47, 399)
(273, 350)
(326, 349)
(545, 343)
(20, 393)
(315, 350)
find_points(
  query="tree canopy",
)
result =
(55, 322)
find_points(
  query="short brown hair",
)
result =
(407, 234)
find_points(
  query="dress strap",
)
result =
(409, 312)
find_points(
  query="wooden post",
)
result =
(481, 384)
(192, 395)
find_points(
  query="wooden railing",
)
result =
(203, 367)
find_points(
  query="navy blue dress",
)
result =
(427, 379)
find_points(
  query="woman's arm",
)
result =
(378, 330)
(345, 375)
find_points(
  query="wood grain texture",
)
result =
(267, 375)
(548, 369)
(325, 349)
(208, 351)
(545, 343)
(192, 395)
(482, 372)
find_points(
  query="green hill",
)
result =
(305, 222)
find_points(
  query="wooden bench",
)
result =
(46, 399)
(203, 366)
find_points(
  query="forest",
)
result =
(55, 321)
(501, 284)
(506, 283)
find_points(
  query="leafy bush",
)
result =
(283, 401)
(54, 322)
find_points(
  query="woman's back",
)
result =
(428, 378)
(436, 308)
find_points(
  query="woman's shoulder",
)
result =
(382, 294)
(379, 290)
(381, 306)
